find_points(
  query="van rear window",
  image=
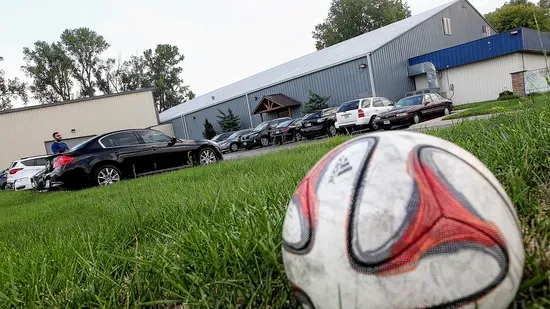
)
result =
(349, 106)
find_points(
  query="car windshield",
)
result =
(409, 101)
(285, 124)
(349, 106)
(220, 137)
(261, 127)
(81, 144)
(314, 115)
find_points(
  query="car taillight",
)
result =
(62, 161)
(15, 170)
(361, 113)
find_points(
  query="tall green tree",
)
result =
(350, 18)
(229, 122)
(84, 46)
(520, 13)
(50, 70)
(209, 131)
(164, 73)
(11, 89)
(316, 102)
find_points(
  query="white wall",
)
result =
(534, 62)
(24, 133)
(480, 81)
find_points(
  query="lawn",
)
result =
(211, 237)
(496, 107)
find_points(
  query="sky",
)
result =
(223, 40)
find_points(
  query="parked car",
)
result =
(288, 131)
(221, 137)
(361, 114)
(319, 123)
(3, 179)
(233, 143)
(111, 157)
(413, 110)
(261, 136)
(21, 173)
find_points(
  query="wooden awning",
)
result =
(275, 103)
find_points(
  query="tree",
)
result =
(229, 122)
(84, 46)
(520, 13)
(11, 89)
(50, 69)
(209, 131)
(350, 18)
(315, 103)
(544, 4)
(164, 73)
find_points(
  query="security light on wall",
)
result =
(255, 98)
(514, 32)
(362, 66)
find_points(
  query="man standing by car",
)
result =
(58, 146)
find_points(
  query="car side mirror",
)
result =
(173, 141)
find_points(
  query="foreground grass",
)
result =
(211, 237)
(497, 107)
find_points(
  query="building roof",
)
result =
(15, 110)
(513, 41)
(340, 53)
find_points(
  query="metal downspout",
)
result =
(184, 123)
(371, 74)
(249, 112)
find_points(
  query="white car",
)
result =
(21, 173)
(361, 114)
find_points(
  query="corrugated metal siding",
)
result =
(391, 61)
(195, 121)
(487, 48)
(531, 40)
(177, 126)
(481, 81)
(26, 131)
(342, 83)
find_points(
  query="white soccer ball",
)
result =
(402, 220)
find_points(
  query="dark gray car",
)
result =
(3, 179)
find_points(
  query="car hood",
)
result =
(399, 110)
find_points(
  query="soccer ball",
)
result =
(402, 220)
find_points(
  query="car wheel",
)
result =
(372, 124)
(264, 141)
(207, 156)
(234, 147)
(298, 137)
(447, 111)
(416, 118)
(331, 131)
(107, 175)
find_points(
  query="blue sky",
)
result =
(223, 40)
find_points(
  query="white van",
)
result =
(360, 114)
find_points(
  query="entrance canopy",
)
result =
(275, 103)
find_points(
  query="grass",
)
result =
(496, 107)
(211, 237)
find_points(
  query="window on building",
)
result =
(487, 30)
(447, 27)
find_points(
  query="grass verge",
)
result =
(497, 107)
(211, 237)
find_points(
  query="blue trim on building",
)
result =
(491, 47)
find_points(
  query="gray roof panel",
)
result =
(340, 53)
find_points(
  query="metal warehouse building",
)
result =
(28, 131)
(376, 63)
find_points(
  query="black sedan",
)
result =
(262, 134)
(415, 109)
(111, 157)
(233, 143)
(319, 123)
(287, 131)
